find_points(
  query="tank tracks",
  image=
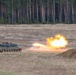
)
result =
(12, 50)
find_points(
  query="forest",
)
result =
(37, 11)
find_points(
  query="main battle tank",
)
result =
(9, 47)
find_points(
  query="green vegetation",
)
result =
(37, 11)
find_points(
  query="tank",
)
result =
(9, 47)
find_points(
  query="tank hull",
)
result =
(9, 47)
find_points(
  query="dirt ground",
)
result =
(36, 63)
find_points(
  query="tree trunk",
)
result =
(37, 11)
(60, 15)
(43, 11)
(72, 12)
(12, 12)
(53, 11)
(2, 9)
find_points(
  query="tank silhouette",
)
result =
(9, 47)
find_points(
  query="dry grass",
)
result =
(71, 53)
(36, 63)
(32, 63)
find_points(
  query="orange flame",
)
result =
(59, 41)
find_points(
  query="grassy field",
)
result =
(36, 63)
(6, 73)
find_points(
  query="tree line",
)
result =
(37, 11)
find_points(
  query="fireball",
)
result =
(59, 41)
